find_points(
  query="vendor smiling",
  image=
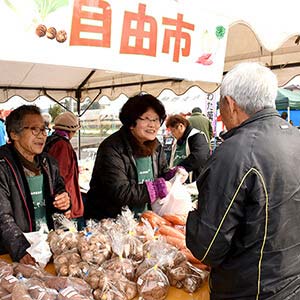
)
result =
(31, 188)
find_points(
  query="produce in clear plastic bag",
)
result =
(93, 277)
(20, 292)
(120, 265)
(6, 269)
(186, 276)
(70, 293)
(67, 263)
(8, 282)
(3, 292)
(120, 282)
(61, 241)
(63, 223)
(38, 290)
(59, 283)
(125, 242)
(153, 284)
(28, 271)
(94, 246)
(194, 279)
(109, 292)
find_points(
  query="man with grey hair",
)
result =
(246, 226)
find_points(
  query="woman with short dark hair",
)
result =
(130, 168)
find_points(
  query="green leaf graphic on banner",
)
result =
(220, 32)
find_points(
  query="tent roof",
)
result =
(286, 98)
(31, 80)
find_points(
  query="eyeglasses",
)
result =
(149, 121)
(37, 130)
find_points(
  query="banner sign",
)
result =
(152, 37)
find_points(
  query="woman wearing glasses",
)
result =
(130, 168)
(31, 188)
(191, 149)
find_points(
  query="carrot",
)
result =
(154, 219)
(175, 219)
(178, 243)
(190, 257)
(202, 267)
(170, 231)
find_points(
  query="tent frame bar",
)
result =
(81, 86)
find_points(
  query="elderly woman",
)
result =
(191, 149)
(130, 168)
(31, 188)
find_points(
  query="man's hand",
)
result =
(27, 259)
(62, 201)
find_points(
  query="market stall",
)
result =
(121, 256)
(174, 294)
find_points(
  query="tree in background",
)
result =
(55, 110)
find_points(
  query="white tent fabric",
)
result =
(262, 31)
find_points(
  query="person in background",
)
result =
(284, 116)
(58, 145)
(246, 226)
(202, 123)
(191, 149)
(131, 168)
(3, 136)
(31, 188)
(47, 120)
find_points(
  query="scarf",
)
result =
(33, 167)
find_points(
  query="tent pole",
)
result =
(289, 117)
(78, 97)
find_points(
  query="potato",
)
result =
(153, 285)
(28, 271)
(20, 292)
(9, 282)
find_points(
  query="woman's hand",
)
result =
(62, 201)
(181, 171)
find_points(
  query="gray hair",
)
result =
(14, 121)
(252, 86)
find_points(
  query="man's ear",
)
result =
(231, 103)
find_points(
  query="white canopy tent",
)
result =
(256, 31)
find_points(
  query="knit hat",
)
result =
(66, 121)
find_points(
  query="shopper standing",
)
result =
(246, 226)
(59, 146)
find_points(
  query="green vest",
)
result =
(180, 153)
(145, 172)
(36, 184)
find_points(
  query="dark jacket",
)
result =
(61, 149)
(114, 182)
(202, 123)
(197, 149)
(16, 206)
(247, 223)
